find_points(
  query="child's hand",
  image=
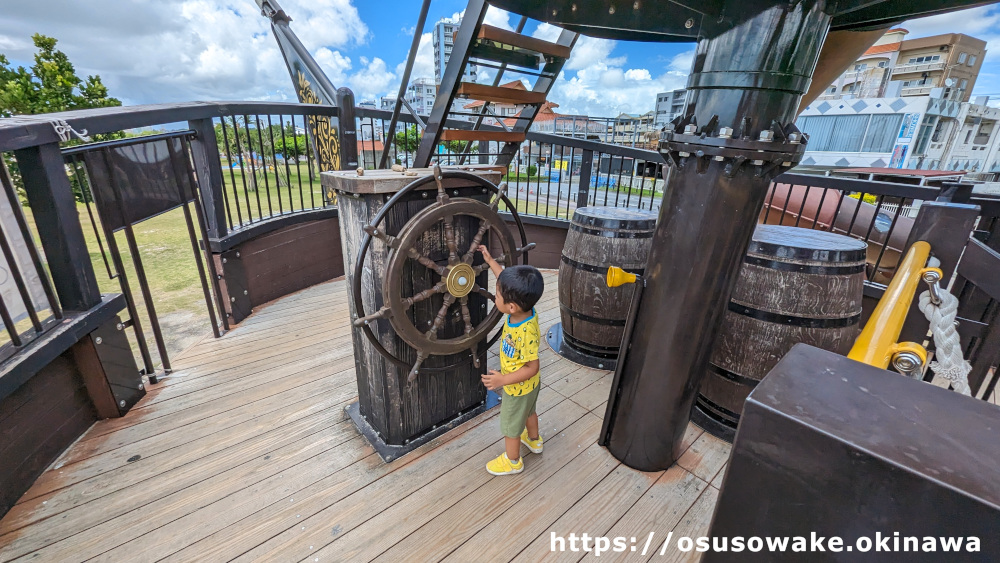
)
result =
(493, 380)
(485, 252)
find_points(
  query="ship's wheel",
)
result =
(455, 279)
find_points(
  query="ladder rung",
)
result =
(491, 33)
(491, 136)
(499, 94)
(515, 57)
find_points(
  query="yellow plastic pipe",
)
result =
(877, 343)
(617, 276)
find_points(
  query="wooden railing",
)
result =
(256, 170)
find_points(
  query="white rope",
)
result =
(949, 362)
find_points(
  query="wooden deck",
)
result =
(245, 453)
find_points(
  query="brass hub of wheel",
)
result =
(461, 280)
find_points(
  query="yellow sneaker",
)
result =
(502, 465)
(534, 445)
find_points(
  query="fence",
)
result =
(254, 162)
(229, 168)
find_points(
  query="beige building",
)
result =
(896, 66)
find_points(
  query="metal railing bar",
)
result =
(22, 289)
(193, 198)
(885, 243)
(115, 253)
(263, 162)
(288, 170)
(243, 169)
(309, 163)
(22, 225)
(116, 143)
(232, 177)
(298, 163)
(87, 199)
(274, 160)
(8, 323)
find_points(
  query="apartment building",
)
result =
(443, 41)
(668, 106)
(899, 67)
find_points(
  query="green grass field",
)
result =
(282, 189)
(169, 264)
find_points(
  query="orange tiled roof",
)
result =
(545, 113)
(887, 48)
(370, 145)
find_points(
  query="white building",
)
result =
(444, 41)
(914, 132)
(669, 105)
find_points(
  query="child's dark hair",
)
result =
(521, 285)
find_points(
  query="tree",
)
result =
(408, 139)
(50, 85)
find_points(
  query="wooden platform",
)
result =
(245, 453)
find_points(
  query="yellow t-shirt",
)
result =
(518, 346)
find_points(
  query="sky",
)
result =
(157, 51)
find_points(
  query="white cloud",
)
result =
(498, 18)
(173, 50)
(595, 83)
(682, 62)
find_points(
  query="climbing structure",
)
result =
(483, 45)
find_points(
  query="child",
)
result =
(518, 289)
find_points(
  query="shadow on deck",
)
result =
(245, 453)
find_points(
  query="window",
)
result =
(924, 59)
(882, 132)
(883, 64)
(968, 135)
(915, 83)
(860, 67)
(831, 90)
(963, 83)
(962, 57)
(972, 60)
(853, 132)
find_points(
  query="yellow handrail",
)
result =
(877, 344)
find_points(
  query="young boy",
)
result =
(518, 289)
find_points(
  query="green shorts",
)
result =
(514, 412)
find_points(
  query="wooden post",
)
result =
(54, 207)
(208, 167)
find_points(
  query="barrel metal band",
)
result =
(614, 223)
(611, 234)
(732, 376)
(810, 254)
(609, 352)
(589, 319)
(603, 270)
(804, 268)
(790, 320)
(714, 410)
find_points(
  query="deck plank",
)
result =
(394, 524)
(246, 454)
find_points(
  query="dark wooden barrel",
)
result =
(795, 285)
(593, 314)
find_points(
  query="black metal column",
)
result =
(737, 134)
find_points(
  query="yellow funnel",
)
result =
(618, 276)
